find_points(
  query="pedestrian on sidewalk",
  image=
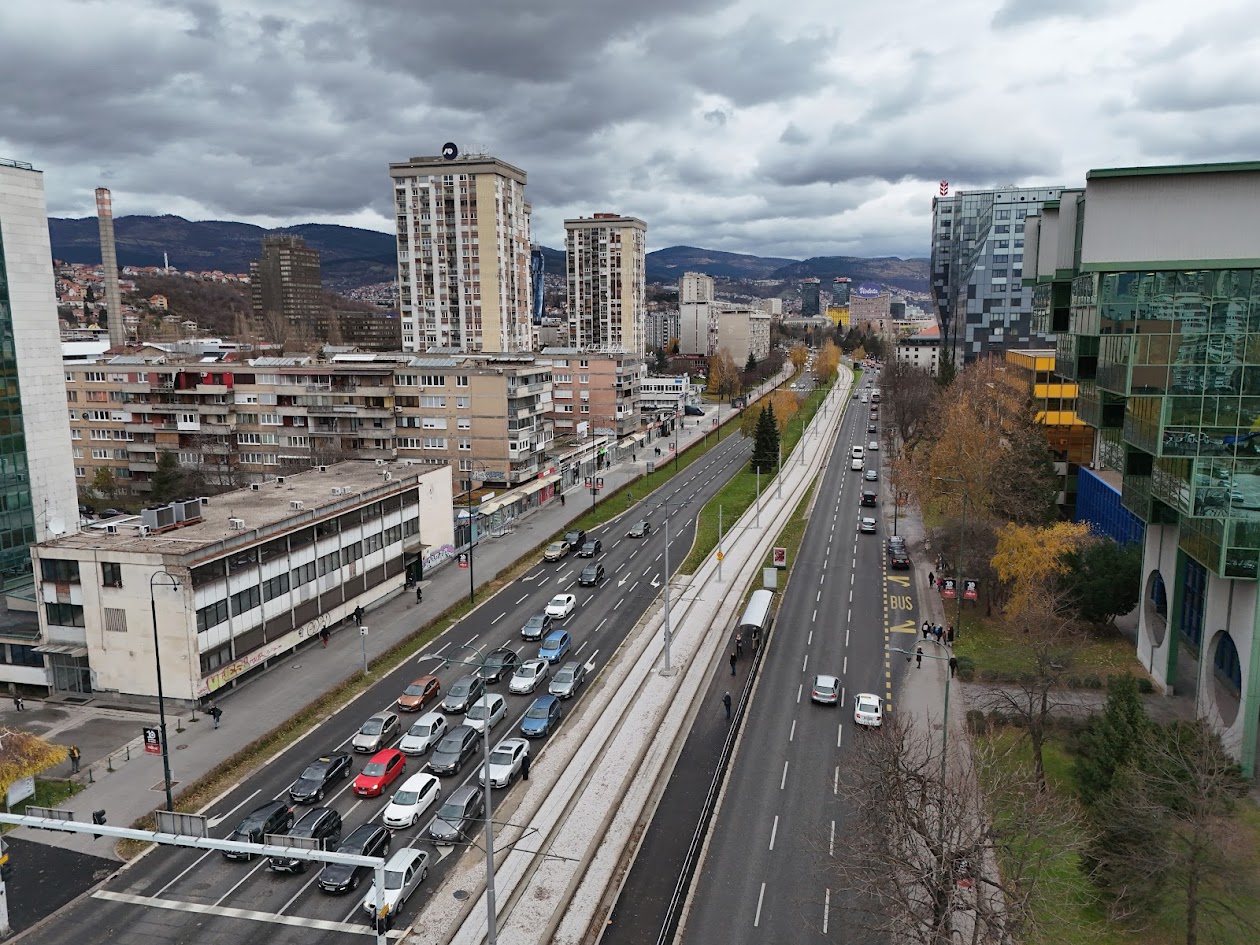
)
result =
(562, 499)
(949, 636)
(739, 644)
(18, 702)
(358, 615)
(726, 701)
(525, 766)
(216, 713)
(931, 579)
(756, 639)
(419, 594)
(75, 755)
(733, 659)
(940, 632)
(323, 637)
(926, 627)
(918, 664)
(953, 666)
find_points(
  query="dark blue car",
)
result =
(541, 717)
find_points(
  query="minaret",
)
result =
(109, 268)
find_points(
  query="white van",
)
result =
(862, 397)
(857, 458)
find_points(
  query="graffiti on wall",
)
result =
(225, 674)
(436, 556)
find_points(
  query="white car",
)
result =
(873, 445)
(425, 732)
(491, 705)
(527, 677)
(404, 871)
(867, 525)
(561, 606)
(868, 709)
(411, 800)
(505, 762)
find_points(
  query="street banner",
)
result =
(971, 589)
(152, 742)
(949, 588)
(780, 558)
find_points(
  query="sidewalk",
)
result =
(135, 787)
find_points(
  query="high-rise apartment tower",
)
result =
(285, 280)
(606, 282)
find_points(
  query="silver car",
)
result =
(404, 871)
(564, 685)
(459, 816)
(376, 733)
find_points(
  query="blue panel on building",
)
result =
(1098, 503)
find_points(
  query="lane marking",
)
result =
(783, 779)
(174, 905)
(792, 731)
(605, 620)
(498, 618)
(618, 604)
(757, 915)
(826, 911)
(523, 599)
(835, 781)
(774, 830)
(840, 735)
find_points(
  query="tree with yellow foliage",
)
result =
(798, 356)
(827, 362)
(23, 755)
(1032, 558)
(724, 375)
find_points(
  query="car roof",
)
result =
(380, 715)
(384, 755)
(570, 664)
(488, 698)
(555, 636)
(430, 717)
(468, 679)
(547, 700)
(463, 792)
(404, 857)
(867, 697)
(312, 817)
(422, 679)
(512, 742)
(824, 680)
(359, 834)
(416, 781)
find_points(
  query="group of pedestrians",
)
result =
(938, 632)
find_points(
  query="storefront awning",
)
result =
(487, 508)
(63, 649)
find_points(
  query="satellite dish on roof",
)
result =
(449, 151)
(57, 526)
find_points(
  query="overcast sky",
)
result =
(791, 128)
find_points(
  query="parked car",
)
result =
(486, 712)
(537, 627)
(639, 530)
(404, 871)
(692, 410)
(826, 690)
(411, 800)
(420, 693)
(459, 816)
(423, 734)
(561, 606)
(274, 817)
(555, 647)
(527, 676)
(377, 732)
(591, 575)
(505, 762)
(453, 750)
(575, 537)
(318, 823)
(369, 839)
(568, 678)
(590, 548)
(317, 777)
(464, 692)
(556, 550)
(899, 560)
(384, 769)
(541, 717)
(502, 662)
(868, 709)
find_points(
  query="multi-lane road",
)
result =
(175, 896)
(763, 878)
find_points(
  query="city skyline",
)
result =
(722, 124)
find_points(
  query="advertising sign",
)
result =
(949, 588)
(971, 589)
(869, 291)
(463, 561)
(780, 558)
(20, 790)
(152, 741)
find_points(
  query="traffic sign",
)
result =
(720, 556)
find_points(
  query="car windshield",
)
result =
(450, 744)
(536, 621)
(372, 727)
(478, 711)
(555, 546)
(527, 671)
(459, 689)
(589, 572)
(374, 769)
(393, 879)
(501, 756)
(564, 676)
(451, 811)
(406, 798)
(415, 689)
(421, 728)
(537, 712)
(496, 660)
(313, 773)
(558, 601)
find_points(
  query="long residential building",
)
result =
(464, 276)
(607, 288)
(594, 393)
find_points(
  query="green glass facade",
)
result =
(17, 523)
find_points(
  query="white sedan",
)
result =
(491, 706)
(411, 800)
(868, 709)
(505, 762)
(873, 445)
(527, 677)
(425, 732)
(561, 606)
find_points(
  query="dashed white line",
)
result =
(831, 843)
(498, 618)
(839, 735)
(792, 731)
(805, 663)
(818, 598)
(618, 604)
(815, 620)
(605, 620)
(774, 830)
(826, 911)
(846, 661)
(835, 781)
(783, 779)
(757, 915)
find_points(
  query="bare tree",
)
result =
(926, 861)
(910, 393)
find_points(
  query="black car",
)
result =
(872, 428)
(456, 747)
(318, 823)
(368, 840)
(313, 783)
(271, 818)
(869, 497)
(463, 692)
(693, 411)
(537, 627)
(502, 662)
(591, 574)
(575, 538)
(590, 548)
(899, 560)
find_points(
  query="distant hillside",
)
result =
(667, 265)
(910, 274)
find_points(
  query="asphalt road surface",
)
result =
(175, 896)
(765, 878)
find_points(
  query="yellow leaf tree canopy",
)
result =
(798, 355)
(23, 755)
(1030, 557)
(827, 361)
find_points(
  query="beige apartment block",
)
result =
(607, 288)
(463, 254)
(697, 314)
(594, 393)
(743, 330)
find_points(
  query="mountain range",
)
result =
(351, 257)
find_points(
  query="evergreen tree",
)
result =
(1103, 580)
(168, 478)
(1111, 739)
(766, 444)
(751, 364)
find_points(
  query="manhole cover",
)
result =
(460, 894)
(180, 747)
(161, 786)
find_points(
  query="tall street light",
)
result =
(173, 584)
(472, 539)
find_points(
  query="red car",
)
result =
(379, 773)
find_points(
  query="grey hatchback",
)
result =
(465, 691)
(458, 816)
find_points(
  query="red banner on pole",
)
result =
(949, 588)
(971, 589)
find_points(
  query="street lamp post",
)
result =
(472, 529)
(173, 583)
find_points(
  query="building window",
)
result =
(64, 615)
(115, 620)
(275, 587)
(461, 380)
(60, 570)
(303, 574)
(111, 574)
(212, 615)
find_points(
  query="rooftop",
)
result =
(265, 511)
(1231, 167)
